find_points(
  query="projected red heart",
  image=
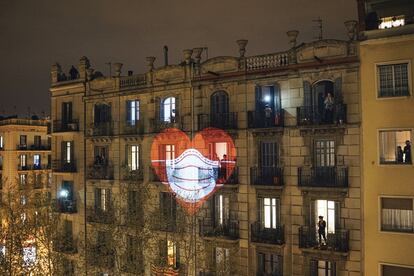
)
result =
(193, 169)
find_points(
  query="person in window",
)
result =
(321, 230)
(73, 73)
(400, 154)
(223, 167)
(407, 152)
(329, 106)
(268, 115)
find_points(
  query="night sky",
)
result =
(36, 33)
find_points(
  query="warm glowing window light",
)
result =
(391, 22)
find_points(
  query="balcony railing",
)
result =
(227, 177)
(218, 120)
(38, 185)
(229, 229)
(258, 119)
(101, 256)
(100, 171)
(133, 129)
(101, 129)
(101, 216)
(67, 206)
(338, 241)
(32, 167)
(267, 61)
(267, 176)
(33, 147)
(267, 235)
(330, 177)
(65, 244)
(132, 175)
(158, 124)
(63, 126)
(309, 115)
(64, 166)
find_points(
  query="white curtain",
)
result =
(397, 220)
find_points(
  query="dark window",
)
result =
(133, 203)
(393, 80)
(269, 264)
(268, 154)
(23, 140)
(324, 153)
(37, 141)
(168, 207)
(101, 155)
(102, 113)
(391, 270)
(323, 268)
(219, 103)
(397, 214)
(66, 112)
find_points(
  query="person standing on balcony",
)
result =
(400, 154)
(268, 115)
(321, 230)
(407, 152)
(329, 108)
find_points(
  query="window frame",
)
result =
(172, 103)
(377, 80)
(381, 264)
(324, 140)
(380, 215)
(133, 110)
(400, 165)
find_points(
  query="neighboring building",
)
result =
(387, 53)
(25, 171)
(298, 157)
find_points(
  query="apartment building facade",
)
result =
(386, 54)
(294, 118)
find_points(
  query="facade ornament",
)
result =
(117, 67)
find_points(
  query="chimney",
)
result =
(165, 55)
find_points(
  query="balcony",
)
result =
(33, 147)
(38, 185)
(228, 178)
(325, 177)
(62, 126)
(218, 120)
(100, 171)
(98, 215)
(228, 230)
(258, 119)
(101, 129)
(308, 116)
(266, 176)
(101, 256)
(64, 244)
(66, 206)
(133, 129)
(134, 217)
(32, 167)
(267, 235)
(159, 124)
(64, 166)
(132, 175)
(338, 241)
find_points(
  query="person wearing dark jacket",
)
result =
(321, 230)
(407, 152)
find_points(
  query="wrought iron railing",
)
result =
(99, 215)
(267, 235)
(101, 129)
(228, 229)
(66, 206)
(100, 171)
(64, 166)
(330, 177)
(218, 120)
(258, 119)
(338, 241)
(267, 176)
(133, 129)
(65, 126)
(309, 115)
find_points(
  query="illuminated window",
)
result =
(1, 142)
(393, 21)
(169, 152)
(270, 212)
(330, 211)
(397, 214)
(171, 253)
(133, 157)
(168, 110)
(325, 153)
(269, 264)
(392, 270)
(36, 160)
(23, 160)
(393, 80)
(67, 151)
(132, 108)
(23, 200)
(22, 180)
(29, 255)
(102, 199)
(395, 146)
(222, 209)
(323, 268)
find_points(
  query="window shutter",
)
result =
(160, 106)
(72, 151)
(307, 94)
(260, 263)
(338, 90)
(177, 109)
(313, 267)
(96, 118)
(128, 112)
(63, 150)
(260, 210)
(216, 209)
(177, 255)
(278, 212)
(98, 198)
(258, 96)
(312, 215)
(279, 268)
(163, 252)
(128, 156)
(226, 207)
(69, 112)
(277, 98)
(337, 215)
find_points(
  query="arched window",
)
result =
(168, 110)
(219, 103)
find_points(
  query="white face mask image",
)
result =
(192, 176)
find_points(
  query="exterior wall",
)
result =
(295, 148)
(379, 180)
